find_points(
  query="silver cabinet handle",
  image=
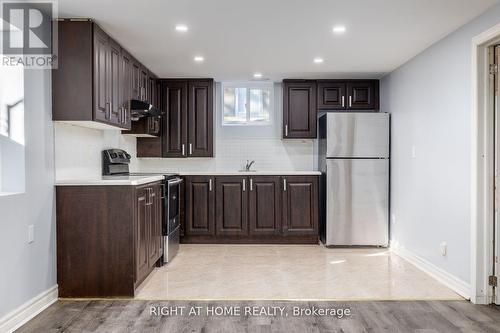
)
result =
(286, 130)
(251, 184)
(343, 101)
(210, 184)
(244, 182)
(183, 150)
(190, 149)
(163, 191)
(107, 112)
(284, 184)
(350, 101)
(149, 202)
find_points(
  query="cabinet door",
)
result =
(101, 76)
(136, 74)
(144, 83)
(154, 241)
(200, 116)
(231, 201)
(264, 205)
(142, 234)
(362, 95)
(114, 81)
(332, 95)
(300, 205)
(126, 88)
(200, 206)
(174, 103)
(299, 109)
(152, 90)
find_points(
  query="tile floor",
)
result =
(287, 272)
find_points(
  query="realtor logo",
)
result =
(28, 33)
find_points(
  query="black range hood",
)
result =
(140, 109)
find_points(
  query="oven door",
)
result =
(173, 196)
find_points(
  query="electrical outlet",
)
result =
(31, 233)
(413, 152)
(443, 247)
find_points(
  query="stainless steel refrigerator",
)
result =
(354, 188)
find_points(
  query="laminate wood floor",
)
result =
(376, 316)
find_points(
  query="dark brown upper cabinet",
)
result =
(175, 129)
(299, 109)
(95, 78)
(200, 119)
(363, 95)
(339, 95)
(332, 95)
(188, 122)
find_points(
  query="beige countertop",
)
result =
(110, 180)
(250, 173)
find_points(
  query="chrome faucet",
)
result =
(249, 165)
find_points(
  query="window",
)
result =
(12, 167)
(247, 103)
(12, 103)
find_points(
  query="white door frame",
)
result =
(482, 168)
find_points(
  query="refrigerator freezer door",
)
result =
(357, 202)
(360, 135)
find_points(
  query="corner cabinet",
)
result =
(95, 78)
(251, 209)
(299, 109)
(108, 238)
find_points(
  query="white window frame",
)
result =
(248, 86)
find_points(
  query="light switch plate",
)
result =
(31, 233)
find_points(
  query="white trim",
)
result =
(18, 317)
(481, 198)
(457, 285)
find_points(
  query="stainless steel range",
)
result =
(115, 162)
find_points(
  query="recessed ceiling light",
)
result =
(318, 60)
(199, 59)
(181, 27)
(339, 29)
(257, 75)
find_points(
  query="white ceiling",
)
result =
(278, 38)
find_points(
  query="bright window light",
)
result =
(247, 104)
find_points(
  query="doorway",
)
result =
(494, 84)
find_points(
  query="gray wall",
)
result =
(430, 101)
(29, 269)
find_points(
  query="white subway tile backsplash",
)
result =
(231, 155)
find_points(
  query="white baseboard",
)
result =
(457, 285)
(18, 317)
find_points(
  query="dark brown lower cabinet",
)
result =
(300, 205)
(264, 205)
(200, 206)
(251, 209)
(108, 238)
(231, 204)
